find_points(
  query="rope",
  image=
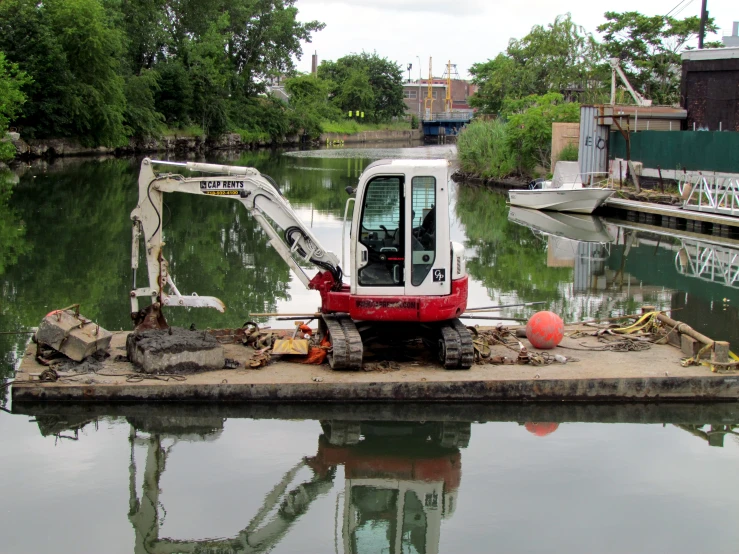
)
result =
(623, 345)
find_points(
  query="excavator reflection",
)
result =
(402, 470)
(401, 481)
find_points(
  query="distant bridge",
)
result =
(439, 126)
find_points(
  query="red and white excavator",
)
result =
(404, 268)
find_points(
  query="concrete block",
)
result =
(174, 350)
(73, 335)
(674, 337)
(689, 345)
(720, 352)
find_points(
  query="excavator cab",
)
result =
(400, 242)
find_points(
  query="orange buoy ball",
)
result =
(541, 429)
(545, 330)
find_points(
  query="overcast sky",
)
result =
(463, 31)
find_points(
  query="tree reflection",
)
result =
(512, 259)
(13, 245)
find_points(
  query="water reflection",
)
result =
(400, 481)
(586, 267)
(401, 466)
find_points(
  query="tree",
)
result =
(366, 82)
(530, 127)
(561, 57)
(93, 50)
(72, 53)
(141, 115)
(11, 100)
(649, 49)
(309, 103)
(356, 94)
(27, 39)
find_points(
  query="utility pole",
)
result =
(704, 17)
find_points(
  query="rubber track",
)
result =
(338, 358)
(450, 337)
(467, 349)
(355, 349)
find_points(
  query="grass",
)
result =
(249, 136)
(482, 149)
(569, 153)
(350, 127)
(187, 131)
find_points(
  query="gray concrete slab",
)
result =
(598, 376)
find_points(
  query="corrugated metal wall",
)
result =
(593, 151)
(692, 150)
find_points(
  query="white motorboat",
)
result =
(565, 193)
(579, 227)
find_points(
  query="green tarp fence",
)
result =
(690, 150)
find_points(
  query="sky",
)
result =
(462, 31)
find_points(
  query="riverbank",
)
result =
(52, 148)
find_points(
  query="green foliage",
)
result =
(309, 103)
(210, 77)
(104, 70)
(561, 57)
(12, 228)
(365, 82)
(649, 48)
(96, 100)
(249, 136)
(494, 149)
(174, 96)
(350, 126)
(570, 153)
(141, 114)
(11, 100)
(482, 149)
(510, 257)
(28, 39)
(530, 128)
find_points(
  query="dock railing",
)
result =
(711, 193)
(709, 262)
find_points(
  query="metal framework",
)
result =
(715, 194)
(429, 103)
(710, 262)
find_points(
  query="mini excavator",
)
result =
(404, 268)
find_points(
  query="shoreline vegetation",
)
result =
(543, 78)
(124, 76)
(190, 142)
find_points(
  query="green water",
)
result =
(515, 478)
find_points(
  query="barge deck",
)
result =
(655, 374)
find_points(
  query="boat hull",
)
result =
(579, 227)
(583, 201)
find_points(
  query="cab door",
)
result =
(381, 237)
(428, 246)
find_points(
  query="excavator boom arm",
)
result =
(255, 191)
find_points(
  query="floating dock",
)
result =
(654, 374)
(672, 216)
